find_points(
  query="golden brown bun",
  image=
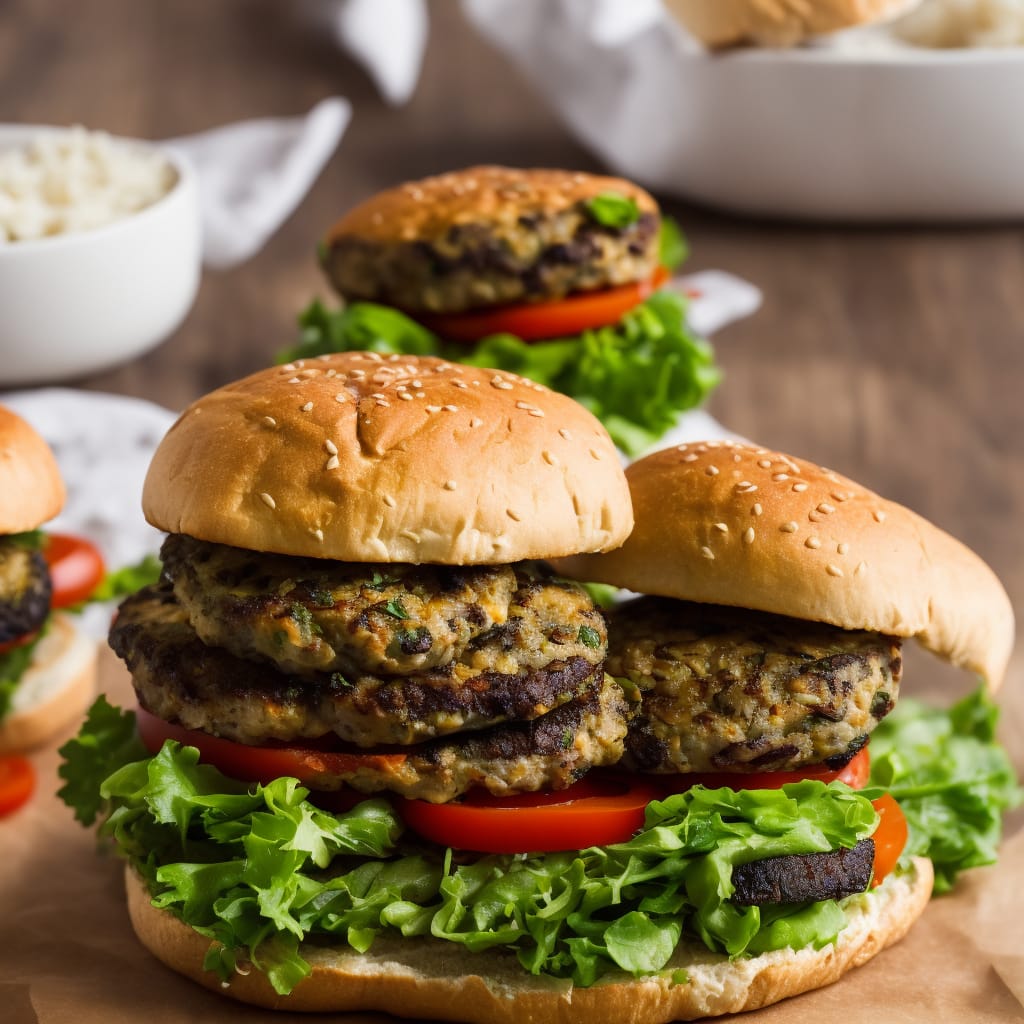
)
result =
(413, 459)
(719, 23)
(55, 690)
(428, 979)
(732, 524)
(494, 195)
(31, 490)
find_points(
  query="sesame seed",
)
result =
(842, 548)
(409, 535)
(748, 535)
(389, 501)
(330, 447)
(341, 397)
(757, 510)
(692, 457)
(840, 495)
(268, 500)
(450, 485)
(737, 457)
(708, 553)
(879, 515)
(433, 408)
(514, 515)
(826, 509)
(421, 394)
(450, 408)
(861, 567)
(378, 396)
(405, 396)
(813, 542)
(833, 570)
(779, 477)
(765, 463)
(308, 407)
(800, 488)
(270, 421)
(460, 384)
(789, 527)
(722, 527)
(595, 454)
(295, 380)
(288, 367)
(332, 372)
(550, 458)
(417, 383)
(711, 471)
(565, 433)
(682, 447)
(744, 484)
(332, 462)
(319, 534)
(524, 405)
(537, 413)
(476, 422)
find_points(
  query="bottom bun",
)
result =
(55, 690)
(433, 979)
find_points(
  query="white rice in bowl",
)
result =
(963, 23)
(75, 180)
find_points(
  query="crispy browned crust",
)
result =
(426, 979)
(426, 209)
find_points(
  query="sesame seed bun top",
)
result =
(31, 490)
(732, 524)
(497, 196)
(367, 458)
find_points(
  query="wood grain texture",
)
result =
(895, 356)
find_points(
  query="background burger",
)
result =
(47, 664)
(555, 275)
(350, 601)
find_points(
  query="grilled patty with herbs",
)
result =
(24, 589)
(507, 692)
(490, 236)
(728, 689)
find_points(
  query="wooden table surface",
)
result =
(893, 355)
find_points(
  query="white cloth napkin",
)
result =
(253, 174)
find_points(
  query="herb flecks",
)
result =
(613, 210)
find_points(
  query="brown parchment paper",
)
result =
(68, 956)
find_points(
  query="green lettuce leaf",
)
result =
(127, 580)
(260, 868)
(672, 247)
(952, 779)
(613, 210)
(636, 376)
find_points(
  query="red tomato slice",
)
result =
(592, 812)
(18, 641)
(854, 774)
(17, 780)
(559, 318)
(309, 764)
(76, 568)
(890, 837)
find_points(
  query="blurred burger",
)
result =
(47, 664)
(374, 764)
(551, 274)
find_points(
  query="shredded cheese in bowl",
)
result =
(63, 182)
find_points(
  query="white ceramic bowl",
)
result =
(895, 133)
(82, 302)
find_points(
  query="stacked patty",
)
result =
(449, 677)
(490, 236)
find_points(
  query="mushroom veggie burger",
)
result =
(551, 274)
(370, 768)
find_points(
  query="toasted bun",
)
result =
(31, 490)
(731, 524)
(424, 979)
(718, 23)
(362, 458)
(55, 690)
(425, 210)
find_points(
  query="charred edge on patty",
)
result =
(804, 878)
(539, 256)
(25, 590)
(725, 689)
